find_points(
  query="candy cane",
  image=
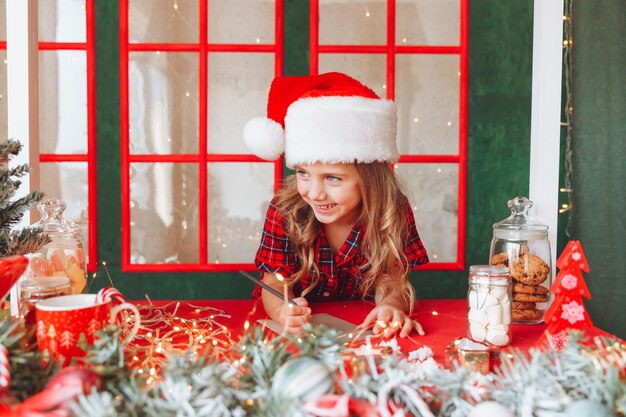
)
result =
(109, 293)
(5, 374)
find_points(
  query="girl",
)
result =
(341, 228)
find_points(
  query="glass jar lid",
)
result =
(491, 270)
(489, 274)
(52, 221)
(520, 225)
(44, 284)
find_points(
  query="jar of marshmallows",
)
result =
(489, 302)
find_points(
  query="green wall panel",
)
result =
(500, 59)
(599, 138)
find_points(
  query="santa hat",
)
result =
(328, 118)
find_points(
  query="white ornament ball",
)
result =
(582, 408)
(304, 378)
(490, 409)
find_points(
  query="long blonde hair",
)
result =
(382, 216)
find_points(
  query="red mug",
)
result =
(67, 325)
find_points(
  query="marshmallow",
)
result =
(501, 293)
(497, 337)
(506, 312)
(494, 315)
(490, 301)
(478, 316)
(472, 299)
(478, 332)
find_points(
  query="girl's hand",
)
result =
(388, 319)
(293, 317)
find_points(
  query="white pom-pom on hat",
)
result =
(265, 138)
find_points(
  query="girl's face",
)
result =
(332, 190)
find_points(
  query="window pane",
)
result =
(163, 102)
(67, 181)
(4, 117)
(63, 102)
(367, 68)
(433, 192)
(353, 22)
(174, 21)
(242, 21)
(427, 95)
(242, 81)
(238, 196)
(62, 21)
(427, 22)
(164, 213)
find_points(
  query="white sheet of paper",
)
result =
(327, 320)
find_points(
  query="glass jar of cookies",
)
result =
(521, 244)
(489, 305)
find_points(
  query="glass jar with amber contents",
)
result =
(63, 256)
(33, 290)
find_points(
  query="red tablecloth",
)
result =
(443, 320)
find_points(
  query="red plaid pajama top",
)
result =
(340, 277)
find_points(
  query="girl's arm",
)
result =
(392, 311)
(290, 317)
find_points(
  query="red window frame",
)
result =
(89, 46)
(390, 49)
(202, 157)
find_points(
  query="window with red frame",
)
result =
(67, 111)
(413, 52)
(191, 75)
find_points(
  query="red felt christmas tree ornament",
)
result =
(568, 311)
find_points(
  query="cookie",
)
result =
(523, 250)
(501, 259)
(529, 289)
(525, 315)
(520, 305)
(530, 270)
(530, 298)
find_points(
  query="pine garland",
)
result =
(29, 239)
(540, 382)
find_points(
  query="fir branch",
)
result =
(196, 387)
(321, 343)
(14, 242)
(9, 147)
(14, 211)
(262, 358)
(19, 171)
(27, 240)
(27, 375)
(100, 404)
(7, 189)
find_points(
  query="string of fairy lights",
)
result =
(182, 328)
(568, 111)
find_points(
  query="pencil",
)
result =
(267, 287)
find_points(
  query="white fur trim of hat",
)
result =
(340, 129)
